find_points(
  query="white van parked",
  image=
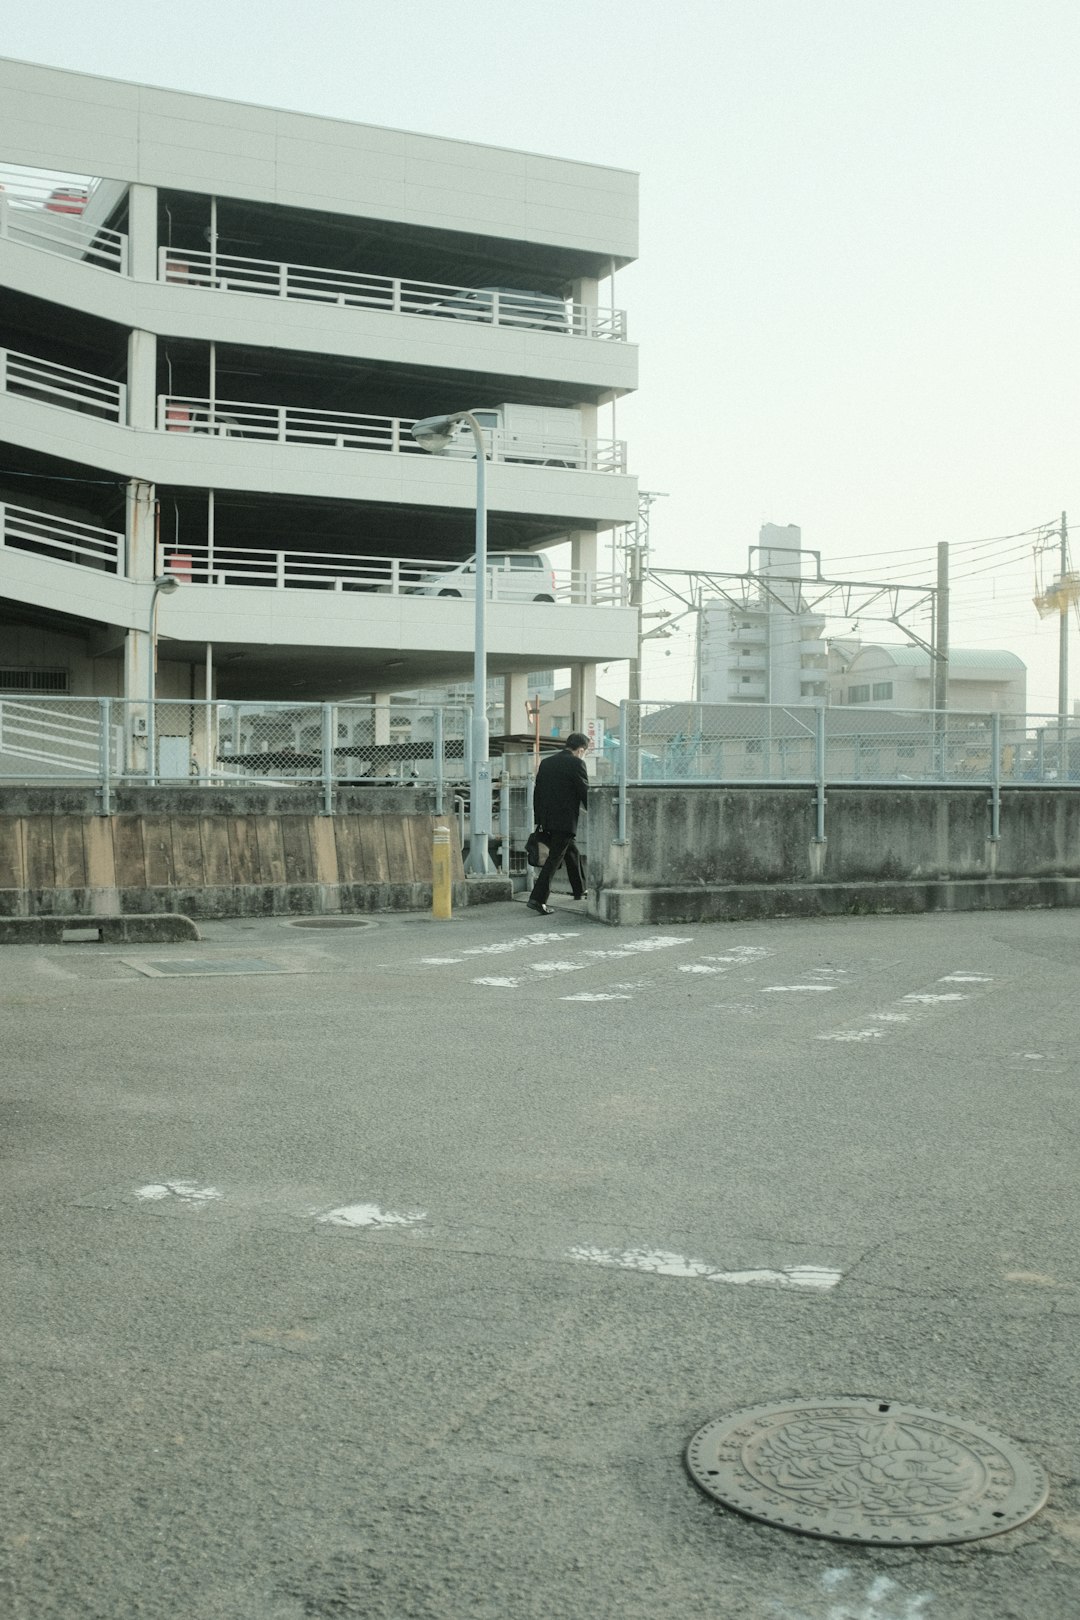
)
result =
(516, 576)
(545, 435)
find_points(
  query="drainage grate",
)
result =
(197, 966)
(863, 1470)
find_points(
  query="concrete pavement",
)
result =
(385, 1272)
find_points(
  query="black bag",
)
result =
(536, 853)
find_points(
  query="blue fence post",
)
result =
(819, 772)
(624, 766)
(329, 728)
(105, 754)
(437, 748)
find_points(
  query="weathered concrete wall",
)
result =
(259, 852)
(697, 852)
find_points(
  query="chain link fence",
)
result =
(728, 743)
(107, 741)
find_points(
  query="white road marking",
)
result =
(500, 984)
(369, 1215)
(660, 942)
(500, 947)
(770, 989)
(599, 995)
(186, 1191)
(741, 954)
(919, 998)
(659, 1263)
(865, 1606)
(853, 1035)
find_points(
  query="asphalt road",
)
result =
(390, 1284)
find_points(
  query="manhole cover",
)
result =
(864, 1470)
(329, 922)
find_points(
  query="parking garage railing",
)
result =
(44, 534)
(35, 224)
(205, 564)
(227, 272)
(26, 376)
(391, 435)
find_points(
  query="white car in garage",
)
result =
(516, 576)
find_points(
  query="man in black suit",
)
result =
(560, 794)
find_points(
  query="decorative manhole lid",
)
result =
(865, 1470)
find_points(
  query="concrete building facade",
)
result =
(901, 677)
(218, 323)
(771, 648)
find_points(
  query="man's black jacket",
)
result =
(561, 791)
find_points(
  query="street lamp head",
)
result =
(166, 584)
(435, 433)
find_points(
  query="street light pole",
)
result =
(436, 433)
(164, 585)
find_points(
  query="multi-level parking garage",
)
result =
(217, 325)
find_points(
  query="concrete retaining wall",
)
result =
(205, 853)
(695, 852)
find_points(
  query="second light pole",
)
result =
(436, 434)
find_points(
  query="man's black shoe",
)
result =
(538, 905)
(584, 895)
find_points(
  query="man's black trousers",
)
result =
(561, 847)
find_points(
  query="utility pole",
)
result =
(1063, 652)
(636, 583)
(639, 567)
(639, 563)
(941, 630)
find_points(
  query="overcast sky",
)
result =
(857, 293)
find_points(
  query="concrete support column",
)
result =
(143, 232)
(586, 292)
(582, 695)
(141, 547)
(382, 716)
(583, 563)
(142, 380)
(515, 697)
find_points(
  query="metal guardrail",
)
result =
(67, 235)
(229, 272)
(65, 540)
(43, 534)
(25, 376)
(345, 430)
(390, 576)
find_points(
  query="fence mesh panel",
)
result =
(53, 739)
(676, 742)
(60, 739)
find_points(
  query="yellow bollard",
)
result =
(440, 873)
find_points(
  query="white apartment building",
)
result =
(769, 649)
(217, 325)
(901, 677)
